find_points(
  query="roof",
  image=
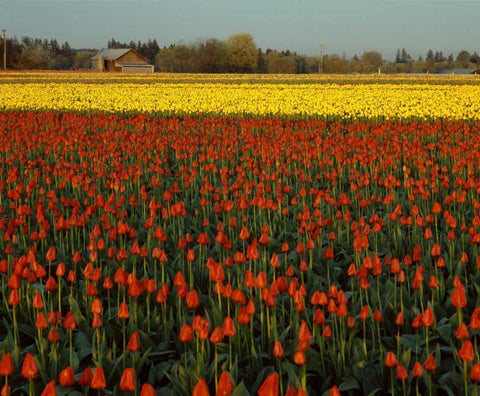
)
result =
(461, 71)
(132, 64)
(112, 54)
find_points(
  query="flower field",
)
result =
(244, 238)
(347, 98)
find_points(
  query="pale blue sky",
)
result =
(300, 25)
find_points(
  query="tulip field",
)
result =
(239, 235)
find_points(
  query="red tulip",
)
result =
(217, 335)
(377, 316)
(299, 358)
(186, 333)
(41, 322)
(462, 332)
(274, 261)
(51, 254)
(351, 322)
(436, 208)
(390, 359)
(435, 250)
(96, 321)
(6, 365)
(466, 351)
(37, 302)
(418, 321)
(123, 312)
(328, 253)
(303, 332)
(244, 234)
(459, 298)
(417, 371)
(291, 391)
(96, 306)
(6, 389)
(327, 331)
(69, 321)
(228, 327)
(430, 364)
(428, 317)
(127, 381)
(201, 389)
(277, 349)
(86, 377)
(243, 317)
(402, 373)
(192, 300)
(98, 379)
(364, 312)
(60, 271)
(269, 387)
(224, 386)
(133, 344)
(29, 367)
(53, 336)
(13, 297)
(50, 389)
(319, 317)
(400, 319)
(66, 377)
(475, 373)
(147, 390)
(334, 391)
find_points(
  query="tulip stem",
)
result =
(216, 368)
(426, 340)
(99, 352)
(60, 294)
(391, 380)
(71, 347)
(429, 383)
(40, 341)
(124, 341)
(304, 377)
(230, 352)
(364, 338)
(465, 379)
(15, 329)
(280, 375)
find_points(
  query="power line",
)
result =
(4, 49)
(320, 66)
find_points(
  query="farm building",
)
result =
(125, 60)
(461, 71)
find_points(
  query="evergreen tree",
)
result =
(398, 57)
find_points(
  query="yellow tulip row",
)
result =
(343, 101)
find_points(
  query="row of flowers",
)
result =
(232, 97)
(180, 255)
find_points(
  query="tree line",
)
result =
(42, 54)
(236, 54)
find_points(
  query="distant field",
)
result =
(173, 78)
(332, 97)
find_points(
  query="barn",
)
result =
(123, 60)
(461, 72)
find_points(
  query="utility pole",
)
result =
(4, 49)
(320, 66)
